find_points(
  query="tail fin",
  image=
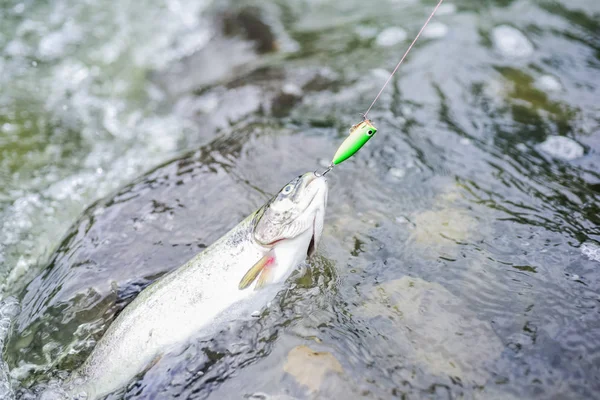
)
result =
(9, 308)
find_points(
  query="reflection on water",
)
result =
(460, 253)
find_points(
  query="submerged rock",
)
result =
(249, 23)
(446, 224)
(443, 227)
(511, 42)
(431, 327)
(561, 147)
(310, 367)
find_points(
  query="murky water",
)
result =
(461, 254)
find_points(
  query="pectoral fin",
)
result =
(266, 276)
(262, 267)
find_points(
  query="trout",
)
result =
(235, 276)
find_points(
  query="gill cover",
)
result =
(289, 213)
(298, 209)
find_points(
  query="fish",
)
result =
(232, 278)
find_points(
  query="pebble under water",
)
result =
(461, 251)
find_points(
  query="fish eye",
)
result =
(288, 189)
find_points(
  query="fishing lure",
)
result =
(359, 135)
(363, 131)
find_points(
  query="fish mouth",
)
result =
(312, 247)
(313, 240)
(312, 179)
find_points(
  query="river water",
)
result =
(461, 253)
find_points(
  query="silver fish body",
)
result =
(198, 298)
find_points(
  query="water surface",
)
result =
(462, 245)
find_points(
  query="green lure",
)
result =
(363, 131)
(359, 135)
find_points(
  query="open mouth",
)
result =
(311, 245)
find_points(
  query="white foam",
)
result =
(591, 251)
(365, 32)
(92, 85)
(19, 8)
(548, 83)
(397, 173)
(435, 30)
(391, 37)
(55, 44)
(511, 42)
(380, 73)
(521, 147)
(9, 308)
(446, 9)
(562, 147)
(292, 89)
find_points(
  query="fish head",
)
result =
(297, 208)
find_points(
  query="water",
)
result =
(460, 254)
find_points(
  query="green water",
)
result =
(461, 251)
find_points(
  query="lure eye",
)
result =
(370, 132)
(288, 189)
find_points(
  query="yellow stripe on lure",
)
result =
(359, 135)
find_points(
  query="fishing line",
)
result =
(403, 57)
(365, 130)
